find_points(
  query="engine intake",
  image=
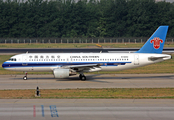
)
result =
(63, 73)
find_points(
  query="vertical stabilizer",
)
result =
(156, 42)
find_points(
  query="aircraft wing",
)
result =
(85, 67)
(81, 66)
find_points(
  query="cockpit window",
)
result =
(12, 59)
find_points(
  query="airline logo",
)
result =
(156, 42)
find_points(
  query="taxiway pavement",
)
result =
(86, 109)
(93, 81)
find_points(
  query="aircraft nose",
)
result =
(4, 65)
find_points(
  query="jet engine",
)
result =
(63, 73)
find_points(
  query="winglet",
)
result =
(156, 42)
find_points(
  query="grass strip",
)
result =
(105, 93)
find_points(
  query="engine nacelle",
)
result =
(61, 73)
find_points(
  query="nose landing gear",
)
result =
(25, 77)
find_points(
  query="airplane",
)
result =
(64, 65)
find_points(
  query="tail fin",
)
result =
(156, 42)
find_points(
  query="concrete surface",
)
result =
(86, 109)
(93, 81)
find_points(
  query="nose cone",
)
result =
(4, 65)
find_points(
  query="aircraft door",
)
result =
(136, 59)
(24, 60)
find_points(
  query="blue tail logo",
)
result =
(156, 42)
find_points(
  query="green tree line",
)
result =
(84, 18)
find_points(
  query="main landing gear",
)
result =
(82, 77)
(25, 77)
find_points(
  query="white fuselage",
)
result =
(108, 61)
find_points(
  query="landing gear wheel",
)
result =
(82, 77)
(25, 77)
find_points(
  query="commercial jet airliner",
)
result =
(64, 65)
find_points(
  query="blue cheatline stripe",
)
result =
(42, 106)
(53, 111)
(47, 64)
